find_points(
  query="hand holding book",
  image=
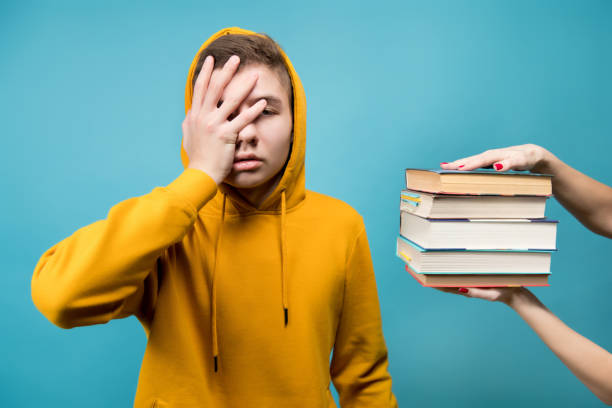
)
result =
(504, 295)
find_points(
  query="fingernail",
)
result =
(444, 163)
(208, 58)
(463, 165)
(463, 290)
(235, 59)
(499, 166)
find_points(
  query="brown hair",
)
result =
(252, 49)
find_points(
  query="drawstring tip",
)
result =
(286, 317)
(216, 366)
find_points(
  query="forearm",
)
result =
(98, 273)
(589, 362)
(587, 199)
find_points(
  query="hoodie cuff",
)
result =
(195, 186)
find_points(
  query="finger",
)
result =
(480, 293)
(248, 115)
(232, 101)
(458, 164)
(503, 165)
(452, 290)
(483, 159)
(517, 160)
(447, 290)
(201, 84)
(218, 83)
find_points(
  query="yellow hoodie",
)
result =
(242, 306)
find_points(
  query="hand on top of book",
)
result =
(523, 157)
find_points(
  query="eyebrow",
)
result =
(270, 99)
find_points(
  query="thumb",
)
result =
(486, 294)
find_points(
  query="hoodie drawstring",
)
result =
(213, 320)
(284, 258)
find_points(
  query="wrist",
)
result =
(195, 186)
(520, 297)
(545, 161)
(216, 177)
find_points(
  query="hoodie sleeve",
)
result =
(359, 363)
(104, 270)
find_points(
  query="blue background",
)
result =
(91, 107)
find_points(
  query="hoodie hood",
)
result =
(292, 182)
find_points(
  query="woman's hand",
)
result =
(504, 295)
(524, 157)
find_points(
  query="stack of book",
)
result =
(476, 228)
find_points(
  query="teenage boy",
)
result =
(243, 280)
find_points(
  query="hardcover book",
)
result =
(461, 261)
(431, 233)
(479, 281)
(479, 182)
(430, 205)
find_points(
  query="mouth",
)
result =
(246, 157)
(246, 162)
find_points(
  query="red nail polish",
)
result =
(499, 166)
(463, 165)
(463, 290)
(444, 163)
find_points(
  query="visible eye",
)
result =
(219, 104)
(267, 112)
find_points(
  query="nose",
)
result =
(247, 135)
